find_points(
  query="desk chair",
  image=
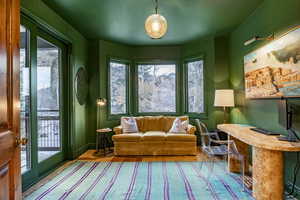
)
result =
(221, 148)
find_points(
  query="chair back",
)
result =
(204, 134)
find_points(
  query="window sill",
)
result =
(116, 117)
(197, 115)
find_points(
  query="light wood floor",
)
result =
(91, 155)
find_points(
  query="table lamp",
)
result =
(101, 102)
(224, 98)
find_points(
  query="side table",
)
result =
(102, 139)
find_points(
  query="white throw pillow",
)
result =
(179, 126)
(129, 125)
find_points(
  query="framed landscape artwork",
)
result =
(273, 71)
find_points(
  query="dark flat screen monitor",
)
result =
(288, 117)
(294, 109)
(283, 117)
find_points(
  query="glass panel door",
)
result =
(43, 94)
(48, 99)
(25, 129)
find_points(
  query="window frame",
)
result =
(136, 86)
(128, 64)
(204, 114)
(28, 60)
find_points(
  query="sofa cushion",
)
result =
(179, 126)
(153, 123)
(140, 123)
(154, 136)
(180, 137)
(156, 123)
(129, 125)
(168, 121)
(130, 137)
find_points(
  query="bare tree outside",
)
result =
(157, 88)
(118, 82)
(195, 87)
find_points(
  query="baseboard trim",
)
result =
(91, 145)
(44, 175)
(80, 151)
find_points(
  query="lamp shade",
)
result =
(224, 98)
(101, 102)
(156, 26)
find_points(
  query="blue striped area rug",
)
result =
(143, 180)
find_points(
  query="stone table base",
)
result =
(267, 174)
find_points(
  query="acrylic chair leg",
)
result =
(201, 163)
(243, 173)
(201, 166)
(226, 161)
(210, 169)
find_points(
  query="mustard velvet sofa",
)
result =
(153, 138)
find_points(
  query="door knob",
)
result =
(21, 141)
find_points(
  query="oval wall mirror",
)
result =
(81, 85)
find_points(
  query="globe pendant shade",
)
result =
(156, 26)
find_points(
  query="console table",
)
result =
(268, 177)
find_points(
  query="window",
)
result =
(195, 89)
(48, 99)
(156, 88)
(118, 87)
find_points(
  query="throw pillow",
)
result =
(179, 126)
(129, 125)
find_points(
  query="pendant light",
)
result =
(156, 25)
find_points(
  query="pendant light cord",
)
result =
(156, 6)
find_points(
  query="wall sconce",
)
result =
(101, 102)
(257, 38)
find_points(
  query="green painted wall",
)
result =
(41, 12)
(100, 51)
(156, 52)
(273, 16)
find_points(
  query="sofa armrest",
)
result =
(118, 130)
(191, 129)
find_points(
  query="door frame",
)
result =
(42, 169)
